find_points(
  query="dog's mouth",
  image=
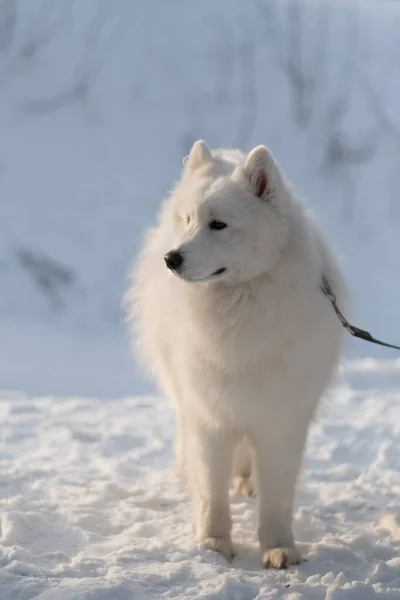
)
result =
(202, 279)
(219, 271)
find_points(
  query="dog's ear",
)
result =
(260, 170)
(199, 155)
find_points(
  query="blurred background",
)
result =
(99, 103)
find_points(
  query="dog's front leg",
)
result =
(211, 457)
(278, 459)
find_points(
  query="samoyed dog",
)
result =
(227, 307)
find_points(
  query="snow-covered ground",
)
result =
(90, 509)
(99, 103)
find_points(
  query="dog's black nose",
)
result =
(173, 260)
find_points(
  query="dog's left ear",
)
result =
(199, 156)
(260, 169)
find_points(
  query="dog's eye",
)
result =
(215, 224)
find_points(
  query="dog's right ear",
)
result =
(199, 155)
(260, 169)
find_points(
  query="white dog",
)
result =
(227, 306)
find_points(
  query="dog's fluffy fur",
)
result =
(244, 354)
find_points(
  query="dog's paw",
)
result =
(221, 545)
(244, 486)
(280, 558)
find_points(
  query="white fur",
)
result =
(245, 356)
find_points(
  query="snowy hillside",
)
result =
(90, 509)
(99, 103)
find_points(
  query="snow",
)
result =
(99, 103)
(90, 508)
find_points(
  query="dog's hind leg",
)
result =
(243, 477)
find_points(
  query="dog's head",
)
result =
(230, 219)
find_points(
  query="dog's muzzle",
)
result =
(173, 260)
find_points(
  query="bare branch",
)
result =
(96, 51)
(249, 96)
(8, 21)
(50, 276)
